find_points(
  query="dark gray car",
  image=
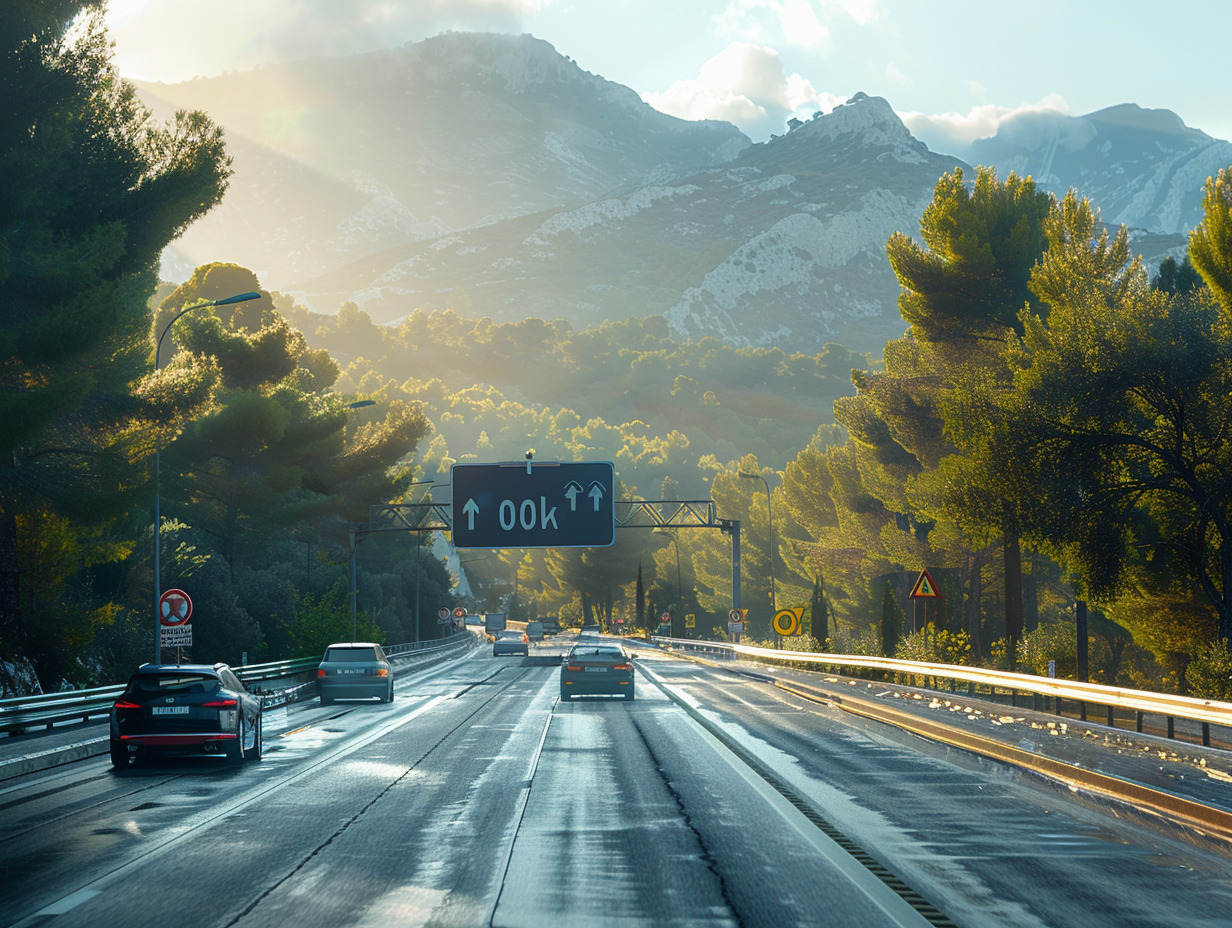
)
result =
(355, 670)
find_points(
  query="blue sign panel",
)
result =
(534, 505)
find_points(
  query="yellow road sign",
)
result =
(690, 620)
(787, 621)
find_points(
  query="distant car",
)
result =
(534, 630)
(511, 641)
(355, 670)
(596, 669)
(591, 629)
(185, 709)
(551, 626)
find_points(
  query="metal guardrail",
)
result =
(19, 714)
(1206, 711)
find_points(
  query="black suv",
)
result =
(185, 709)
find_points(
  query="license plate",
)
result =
(169, 710)
(596, 670)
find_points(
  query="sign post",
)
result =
(534, 505)
(735, 624)
(174, 613)
(925, 589)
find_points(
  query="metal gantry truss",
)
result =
(630, 513)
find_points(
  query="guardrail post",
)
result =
(1111, 718)
(1171, 727)
(1206, 734)
(1014, 698)
(1138, 726)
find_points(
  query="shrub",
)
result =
(1209, 673)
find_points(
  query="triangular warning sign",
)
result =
(925, 587)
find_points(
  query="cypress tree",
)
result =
(891, 621)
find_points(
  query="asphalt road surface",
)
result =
(477, 798)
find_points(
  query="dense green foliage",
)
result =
(629, 392)
(92, 190)
(1053, 424)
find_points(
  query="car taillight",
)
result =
(220, 704)
(125, 704)
(320, 671)
(622, 666)
(573, 667)
(382, 672)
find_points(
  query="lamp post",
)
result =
(679, 583)
(418, 547)
(158, 448)
(358, 533)
(770, 519)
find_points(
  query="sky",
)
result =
(951, 70)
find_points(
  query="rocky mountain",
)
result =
(343, 157)
(783, 245)
(1143, 168)
(492, 175)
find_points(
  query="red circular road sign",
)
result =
(459, 612)
(442, 614)
(666, 618)
(174, 608)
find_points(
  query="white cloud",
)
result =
(953, 132)
(861, 12)
(804, 23)
(801, 25)
(174, 40)
(744, 84)
(895, 76)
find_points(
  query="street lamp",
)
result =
(418, 548)
(679, 585)
(358, 533)
(770, 518)
(158, 447)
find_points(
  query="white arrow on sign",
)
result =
(572, 489)
(596, 493)
(471, 508)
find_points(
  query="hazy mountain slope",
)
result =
(492, 175)
(339, 158)
(785, 246)
(1144, 168)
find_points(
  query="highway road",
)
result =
(477, 798)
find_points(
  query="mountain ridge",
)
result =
(491, 174)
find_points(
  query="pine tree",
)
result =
(93, 191)
(820, 613)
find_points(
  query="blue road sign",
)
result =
(534, 505)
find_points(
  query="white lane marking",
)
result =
(68, 903)
(518, 814)
(892, 904)
(209, 817)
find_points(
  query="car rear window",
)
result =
(611, 654)
(349, 655)
(509, 633)
(173, 683)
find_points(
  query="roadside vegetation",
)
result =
(1051, 429)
